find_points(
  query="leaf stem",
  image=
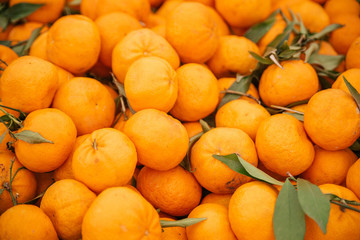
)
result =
(13, 199)
(12, 117)
(241, 94)
(345, 206)
(286, 109)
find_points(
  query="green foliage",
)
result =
(31, 137)
(354, 93)
(236, 163)
(314, 203)
(293, 202)
(289, 218)
(241, 84)
(181, 223)
(256, 32)
(16, 13)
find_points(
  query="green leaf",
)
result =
(21, 10)
(328, 29)
(298, 116)
(5, 118)
(31, 137)
(288, 54)
(279, 40)
(325, 84)
(261, 59)
(354, 93)
(326, 73)
(236, 163)
(4, 22)
(355, 146)
(313, 48)
(256, 32)
(303, 29)
(241, 84)
(289, 218)
(314, 203)
(3, 135)
(205, 126)
(326, 61)
(6, 43)
(34, 34)
(18, 49)
(181, 223)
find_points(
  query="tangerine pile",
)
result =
(103, 105)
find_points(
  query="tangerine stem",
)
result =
(241, 94)
(94, 145)
(286, 109)
(345, 206)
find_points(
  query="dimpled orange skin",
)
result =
(53, 125)
(353, 178)
(113, 27)
(4, 34)
(88, 8)
(232, 56)
(344, 7)
(140, 9)
(332, 119)
(121, 213)
(243, 114)
(174, 191)
(65, 203)
(252, 203)
(23, 32)
(38, 48)
(151, 83)
(193, 32)
(198, 93)
(352, 60)
(274, 31)
(313, 15)
(329, 166)
(297, 81)
(7, 55)
(161, 141)
(65, 170)
(282, 145)
(222, 199)
(20, 89)
(193, 128)
(74, 43)
(48, 13)
(97, 106)
(24, 184)
(352, 76)
(106, 158)
(342, 38)
(217, 223)
(172, 233)
(211, 173)
(26, 222)
(137, 44)
(222, 27)
(242, 13)
(64, 76)
(342, 224)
